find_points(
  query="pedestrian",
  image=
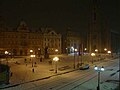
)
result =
(11, 74)
(35, 64)
(33, 70)
(25, 60)
(41, 59)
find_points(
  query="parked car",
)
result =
(84, 67)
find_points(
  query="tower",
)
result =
(98, 33)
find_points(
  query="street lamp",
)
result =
(56, 50)
(31, 51)
(85, 50)
(39, 51)
(96, 50)
(92, 54)
(109, 52)
(32, 59)
(55, 59)
(105, 49)
(99, 69)
(6, 53)
(74, 58)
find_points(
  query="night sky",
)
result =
(58, 14)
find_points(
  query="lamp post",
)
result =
(119, 69)
(74, 58)
(56, 50)
(31, 51)
(55, 59)
(109, 52)
(32, 59)
(85, 50)
(96, 50)
(39, 51)
(105, 49)
(6, 53)
(92, 54)
(99, 69)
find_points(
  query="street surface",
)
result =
(44, 77)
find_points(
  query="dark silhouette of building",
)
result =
(98, 33)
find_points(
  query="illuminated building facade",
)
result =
(21, 40)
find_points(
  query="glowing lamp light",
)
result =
(55, 59)
(109, 52)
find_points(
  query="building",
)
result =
(99, 36)
(115, 39)
(52, 40)
(71, 41)
(22, 39)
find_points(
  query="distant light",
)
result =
(109, 52)
(56, 50)
(75, 49)
(105, 49)
(32, 55)
(99, 69)
(31, 50)
(6, 52)
(102, 68)
(85, 49)
(55, 59)
(96, 50)
(96, 68)
(92, 54)
(72, 48)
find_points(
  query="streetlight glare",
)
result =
(6, 52)
(109, 52)
(55, 59)
(96, 50)
(85, 49)
(92, 54)
(75, 49)
(32, 55)
(95, 68)
(56, 50)
(105, 49)
(31, 50)
(102, 68)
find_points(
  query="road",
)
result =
(77, 80)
